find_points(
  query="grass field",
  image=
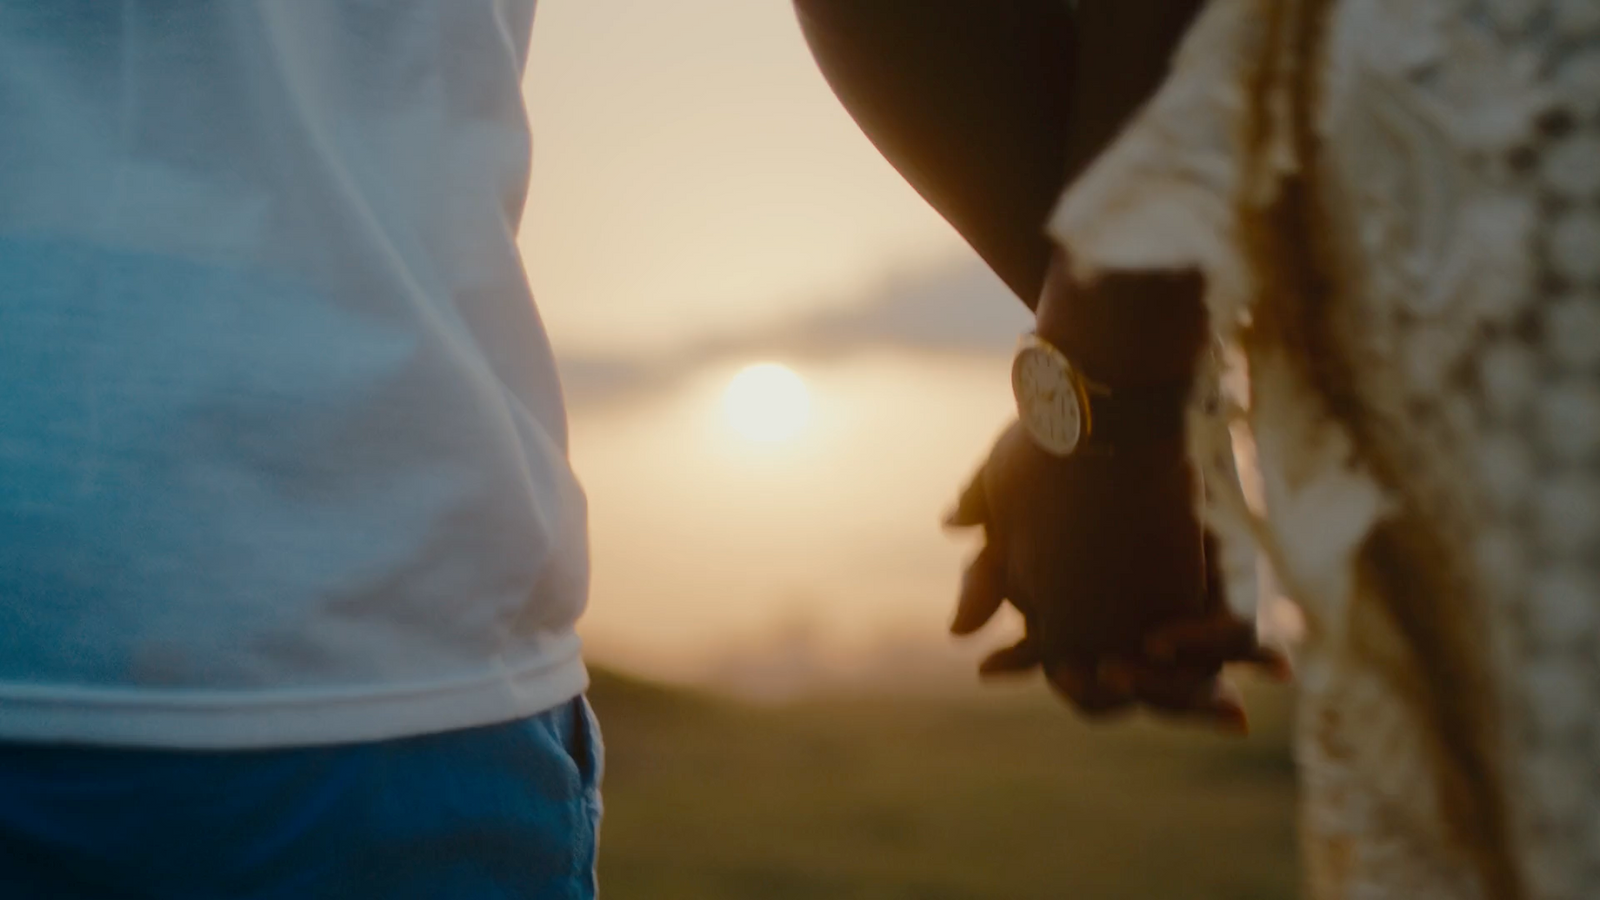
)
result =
(999, 795)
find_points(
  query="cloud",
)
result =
(961, 309)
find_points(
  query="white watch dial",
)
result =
(1047, 399)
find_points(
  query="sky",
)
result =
(700, 203)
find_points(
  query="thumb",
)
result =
(973, 506)
(983, 589)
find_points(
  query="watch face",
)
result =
(1047, 399)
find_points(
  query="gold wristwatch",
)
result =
(1065, 412)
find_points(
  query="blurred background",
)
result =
(781, 367)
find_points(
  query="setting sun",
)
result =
(767, 402)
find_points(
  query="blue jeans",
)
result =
(501, 811)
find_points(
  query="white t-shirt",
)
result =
(282, 447)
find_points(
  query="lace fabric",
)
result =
(1396, 204)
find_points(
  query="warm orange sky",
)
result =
(692, 172)
(700, 202)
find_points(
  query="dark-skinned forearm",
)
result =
(1125, 328)
(971, 102)
(989, 108)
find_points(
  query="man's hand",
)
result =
(1107, 562)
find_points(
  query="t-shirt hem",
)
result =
(245, 720)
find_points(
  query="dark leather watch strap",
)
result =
(1138, 416)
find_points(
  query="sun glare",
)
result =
(767, 403)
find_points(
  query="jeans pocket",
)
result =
(585, 745)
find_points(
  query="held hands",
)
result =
(1105, 559)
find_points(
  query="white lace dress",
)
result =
(1397, 207)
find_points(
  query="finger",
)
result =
(1019, 657)
(1214, 639)
(973, 506)
(1271, 662)
(1224, 708)
(1216, 588)
(1211, 700)
(1180, 691)
(983, 589)
(1080, 685)
(1164, 688)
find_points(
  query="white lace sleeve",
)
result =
(1396, 204)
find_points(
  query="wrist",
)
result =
(1126, 329)
(1125, 347)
